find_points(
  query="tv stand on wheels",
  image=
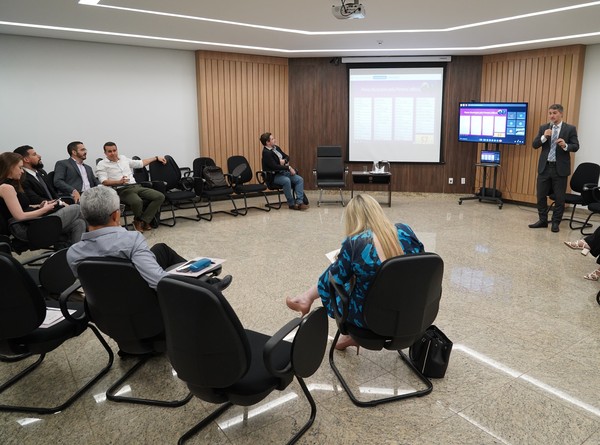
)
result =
(483, 196)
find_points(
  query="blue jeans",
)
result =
(290, 184)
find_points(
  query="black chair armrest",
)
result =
(339, 291)
(272, 345)
(230, 179)
(5, 244)
(233, 180)
(198, 185)
(42, 232)
(64, 298)
(67, 198)
(596, 194)
(35, 260)
(265, 177)
(186, 183)
(308, 346)
(161, 186)
(587, 192)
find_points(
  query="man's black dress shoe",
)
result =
(555, 227)
(538, 225)
(222, 283)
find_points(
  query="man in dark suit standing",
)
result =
(71, 176)
(36, 184)
(557, 139)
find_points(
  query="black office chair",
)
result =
(330, 171)
(142, 176)
(594, 208)
(125, 308)
(54, 276)
(43, 233)
(401, 304)
(211, 193)
(179, 193)
(5, 245)
(265, 178)
(22, 314)
(240, 175)
(222, 362)
(584, 178)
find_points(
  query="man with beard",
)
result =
(36, 184)
(72, 176)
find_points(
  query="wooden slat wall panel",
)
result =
(319, 116)
(240, 96)
(541, 78)
(304, 103)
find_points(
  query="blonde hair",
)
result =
(362, 213)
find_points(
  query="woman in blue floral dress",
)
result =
(370, 239)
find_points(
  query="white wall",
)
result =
(55, 91)
(587, 129)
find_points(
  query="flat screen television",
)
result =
(493, 122)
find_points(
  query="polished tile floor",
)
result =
(525, 326)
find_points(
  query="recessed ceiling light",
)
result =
(89, 2)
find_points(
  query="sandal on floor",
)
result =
(594, 276)
(579, 245)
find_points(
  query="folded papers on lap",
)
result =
(197, 266)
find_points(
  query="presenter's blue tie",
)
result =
(552, 154)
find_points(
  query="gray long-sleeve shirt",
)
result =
(117, 242)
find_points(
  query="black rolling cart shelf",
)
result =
(487, 194)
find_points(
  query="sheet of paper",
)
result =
(54, 316)
(332, 256)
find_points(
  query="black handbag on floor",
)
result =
(431, 353)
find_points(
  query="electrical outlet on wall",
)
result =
(463, 180)
(450, 181)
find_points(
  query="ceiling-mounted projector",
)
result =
(349, 10)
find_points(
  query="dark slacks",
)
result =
(550, 182)
(165, 256)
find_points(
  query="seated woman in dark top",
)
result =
(370, 239)
(15, 205)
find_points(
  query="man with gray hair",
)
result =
(101, 208)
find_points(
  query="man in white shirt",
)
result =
(117, 171)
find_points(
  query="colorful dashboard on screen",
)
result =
(493, 122)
